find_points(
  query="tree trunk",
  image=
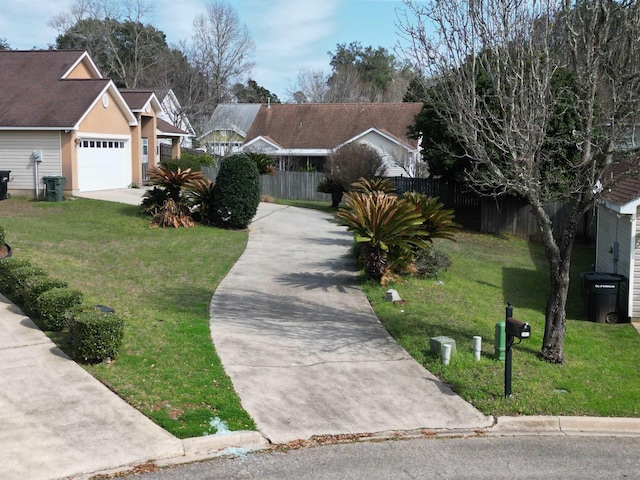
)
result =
(556, 317)
(336, 198)
(559, 257)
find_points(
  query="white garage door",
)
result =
(103, 164)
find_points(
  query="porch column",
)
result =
(175, 147)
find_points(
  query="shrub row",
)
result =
(93, 335)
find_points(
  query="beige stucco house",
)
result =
(59, 117)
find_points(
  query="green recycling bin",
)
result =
(53, 188)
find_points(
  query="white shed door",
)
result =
(103, 164)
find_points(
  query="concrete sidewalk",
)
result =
(56, 420)
(303, 347)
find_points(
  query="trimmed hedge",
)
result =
(2, 238)
(52, 307)
(7, 266)
(95, 336)
(35, 286)
(18, 277)
(189, 160)
(236, 194)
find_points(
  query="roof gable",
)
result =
(327, 126)
(622, 196)
(237, 117)
(142, 100)
(84, 67)
(36, 94)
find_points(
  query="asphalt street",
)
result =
(478, 457)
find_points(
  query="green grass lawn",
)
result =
(600, 376)
(161, 282)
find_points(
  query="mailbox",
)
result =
(518, 329)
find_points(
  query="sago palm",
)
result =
(370, 185)
(173, 181)
(439, 222)
(387, 229)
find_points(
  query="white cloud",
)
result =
(291, 28)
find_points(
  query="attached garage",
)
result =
(104, 163)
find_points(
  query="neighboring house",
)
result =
(59, 117)
(301, 136)
(227, 129)
(618, 237)
(173, 113)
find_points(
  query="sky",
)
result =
(289, 34)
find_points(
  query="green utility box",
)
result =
(500, 341)
(54, 190)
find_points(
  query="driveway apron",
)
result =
(303, 347)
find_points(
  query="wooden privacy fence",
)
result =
(504, 215)
(285, 185)
(513, 216)
(294, 186)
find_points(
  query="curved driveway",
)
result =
(303, 347)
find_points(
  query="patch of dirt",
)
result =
(4, 251)
(20, 207)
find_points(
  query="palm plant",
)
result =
(173, 214)
(438, 221)
(199, 196)
(370, 185)
(173, 181)
(264, 163)
(388, 230)
(166, 201)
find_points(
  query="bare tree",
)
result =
(114, 33)
(222, 49)
(310, 86)
(347, 164)
(494, 67)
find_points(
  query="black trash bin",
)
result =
(4, 183)
(602, 296)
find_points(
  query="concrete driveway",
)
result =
(303, 347)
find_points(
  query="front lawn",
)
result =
(600, 376)
(161, 282)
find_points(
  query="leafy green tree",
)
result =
(123, 50)
(253, 93)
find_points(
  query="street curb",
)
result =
(194, 449)
(561, 425)
(198, 448)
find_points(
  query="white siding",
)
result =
(16, 154)
(389, 151)
(613, 227)
(635, 278)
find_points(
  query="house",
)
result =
(174, 114)
(59, 117)
(226, 131)
(618, 236)
(301, 136)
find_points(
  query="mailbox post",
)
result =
(513, 329)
